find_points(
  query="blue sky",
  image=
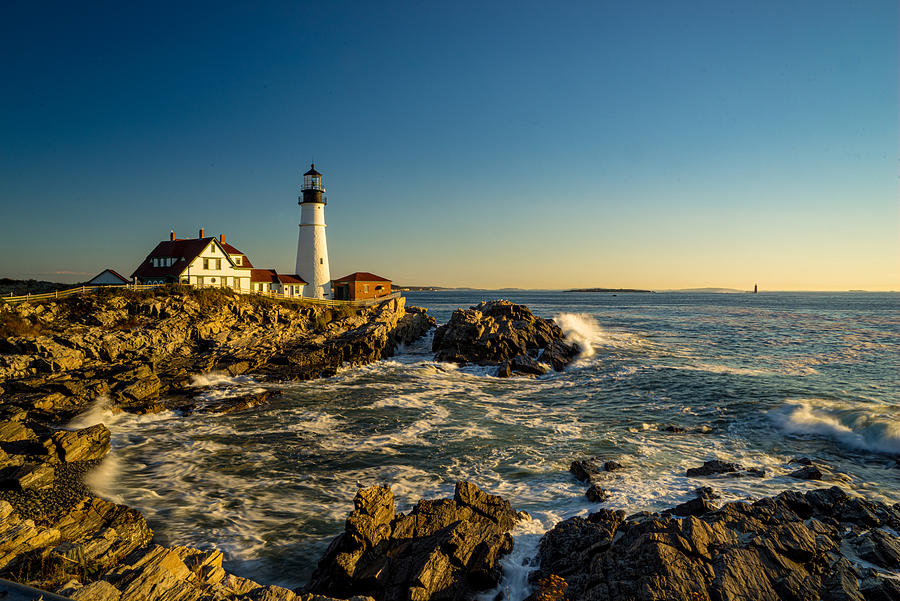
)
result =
(540, 145)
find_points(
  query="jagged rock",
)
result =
(707, 492)
(12, 431)
(18, 537)
(808, 472)
(28, 476)
(696, 506)
(82, 445)
(596, 493)
(101, 532)
(673, 429)
(585, 470)
(785, 547)
(442, 549)
(558, 353)
(712, 468)
(717, 468)
(95, 591)
(524, 364)
(495, 332)
(590, 470)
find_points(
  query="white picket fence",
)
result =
(87, 289)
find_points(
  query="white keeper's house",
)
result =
(201, 261)
(210, 262)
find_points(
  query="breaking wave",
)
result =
(870, 428)
(579, 329)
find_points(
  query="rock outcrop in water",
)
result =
(504, 334)
(443, 549)
(821, 544)
(141, 349)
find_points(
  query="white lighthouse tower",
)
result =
(312, 250)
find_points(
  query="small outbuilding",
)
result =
(288, 285)
(360, 286)
(107, 277)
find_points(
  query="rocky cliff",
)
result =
(141, 349)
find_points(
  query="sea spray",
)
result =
(579, 329)
(100, 411)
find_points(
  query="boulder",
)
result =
(496, 332)
(585, 470)
(589, 470)
(791, 546)
(723, 468)
(443, 549)
(707, 492)
(86, 444)
(712, 468)
(596, 493)
(807, 472)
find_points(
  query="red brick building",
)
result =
(359, 286)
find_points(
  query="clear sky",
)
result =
(489, 144)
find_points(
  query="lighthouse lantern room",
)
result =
(312, 249)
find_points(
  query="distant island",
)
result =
(608, 290)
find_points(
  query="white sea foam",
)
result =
(869, 427)
(519, 563)
(218, 379)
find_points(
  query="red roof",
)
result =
(267, 276)
(245, 262)
(290, 279)
(112, 271)
(185, 250)
(362, 276)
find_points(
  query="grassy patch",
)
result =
(12, 324)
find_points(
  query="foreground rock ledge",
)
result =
(443, 549)
(791, 546)
(505, 334)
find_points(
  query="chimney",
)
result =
(172, 235)
(201, 233)
(222, 238)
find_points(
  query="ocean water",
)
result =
(756, 379)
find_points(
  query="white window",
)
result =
(205, 263)
(237, 260)
(365, 287)
(218, 263)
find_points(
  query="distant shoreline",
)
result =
(609, 290)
